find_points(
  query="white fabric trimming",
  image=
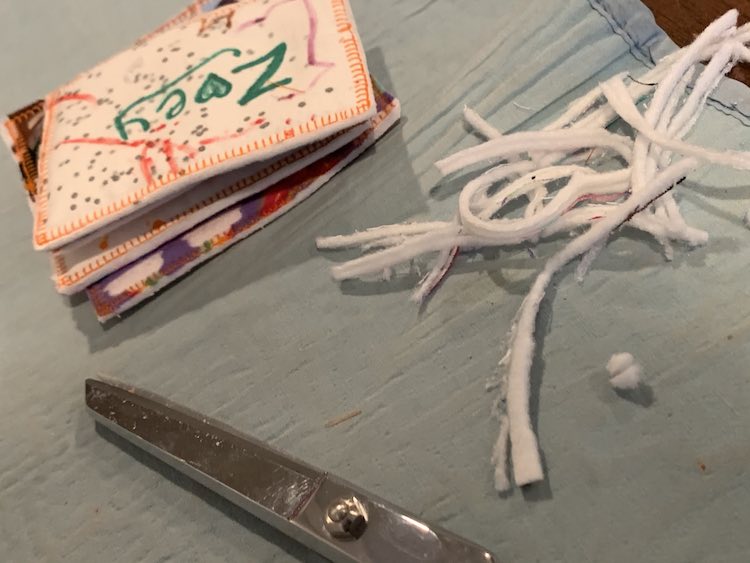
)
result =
(637, 195)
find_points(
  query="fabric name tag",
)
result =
(204, 95)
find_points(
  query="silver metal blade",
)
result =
(328, 514)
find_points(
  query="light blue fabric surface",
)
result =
(262, 339)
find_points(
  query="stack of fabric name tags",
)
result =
(196, 136)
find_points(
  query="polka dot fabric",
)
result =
(238, 85)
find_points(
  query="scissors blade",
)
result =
(331, 516)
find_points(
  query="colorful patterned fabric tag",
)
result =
(126, 288)
(205, 94)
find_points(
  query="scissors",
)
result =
(331, 516)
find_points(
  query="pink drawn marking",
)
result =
(169, 152)
(313, 18)
(212, 140)
(312, 59)
(146, 162)
(262, 18)
(75, 97)
(228, 136)
(314, 81)
(312, 34)
(102, 141)
(187, 149)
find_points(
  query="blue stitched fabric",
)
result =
(262, 339)
(635, 23)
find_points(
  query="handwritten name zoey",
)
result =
(172, 97)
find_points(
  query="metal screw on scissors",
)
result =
(346, 519)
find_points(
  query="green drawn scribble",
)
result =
(177, 108)
(259, 87)
(120, 125)
(214, 86)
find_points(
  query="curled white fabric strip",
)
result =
(558, 173)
